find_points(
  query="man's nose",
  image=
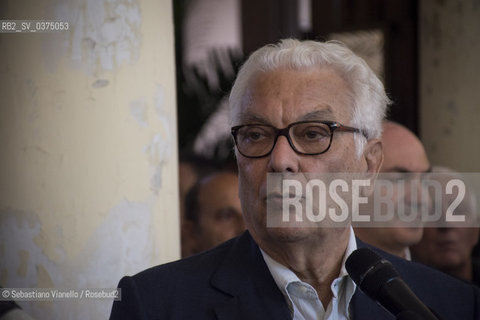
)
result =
(283, 158)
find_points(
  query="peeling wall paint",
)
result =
(161, 144)
(160, 147)
(104, 33)
(138, 110)
(108, 254)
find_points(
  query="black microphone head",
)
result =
(369, 271)
(379, 280)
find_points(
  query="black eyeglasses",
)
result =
(305, 137)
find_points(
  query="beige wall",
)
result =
(450, 82)
(88, 167)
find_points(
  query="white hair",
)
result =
(367, 92)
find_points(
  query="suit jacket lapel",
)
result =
(244, 276)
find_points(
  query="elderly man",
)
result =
(296, 107)
(448, 247)
(403, 154)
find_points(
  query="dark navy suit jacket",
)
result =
(232, 281)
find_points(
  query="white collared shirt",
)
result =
(303, 299)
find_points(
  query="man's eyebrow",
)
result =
(252, 118)
(325, 113)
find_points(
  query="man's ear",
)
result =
(373, 153)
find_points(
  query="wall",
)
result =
(88, 167)
(450, 82)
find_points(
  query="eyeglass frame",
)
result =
(332, 125)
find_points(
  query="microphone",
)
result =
(379, 280)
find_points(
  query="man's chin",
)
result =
(409, 236)
(290, 234)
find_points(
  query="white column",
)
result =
(88, 149)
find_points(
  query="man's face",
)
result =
(403, 155)
(220, 214)
(449, 247)
(279, 98)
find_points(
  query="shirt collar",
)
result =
(351, 246)
(408, 254)
(284, 276)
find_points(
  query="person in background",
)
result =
(448, 247)
(191, 168)
(213, 210)
(403, 154)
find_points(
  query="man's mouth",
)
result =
(277, 199)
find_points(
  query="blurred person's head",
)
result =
(191, 168)
(403, 154)
(402, 150)
(448, 247)
(213, 210)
